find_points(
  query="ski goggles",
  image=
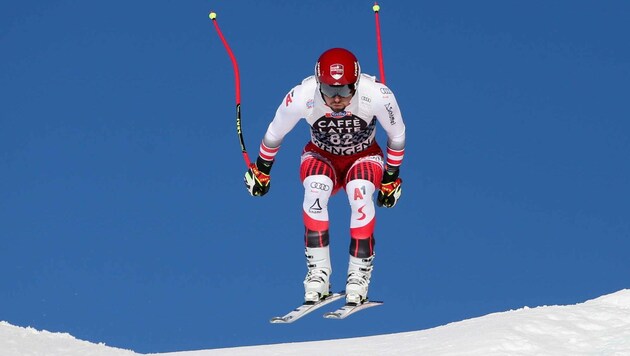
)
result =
(332, 91)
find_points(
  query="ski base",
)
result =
(351, 308)
(305, 309)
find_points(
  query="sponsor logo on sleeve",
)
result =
(289, 99)
(390, 113)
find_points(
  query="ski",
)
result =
(304, 309)
(349, 309)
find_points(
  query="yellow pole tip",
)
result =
(376, 8)
(213, 15)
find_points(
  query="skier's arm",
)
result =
(257, 177)
(392, 122)
(285, 119)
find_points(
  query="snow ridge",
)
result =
(597, 327)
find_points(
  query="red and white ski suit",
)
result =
(342, 153)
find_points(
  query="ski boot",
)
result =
(317, 281)
(359, 273)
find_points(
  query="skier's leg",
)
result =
(362, 217)
(317, 179)
(362, 180)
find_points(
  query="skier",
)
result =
(342, 106)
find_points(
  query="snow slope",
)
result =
(597, 327)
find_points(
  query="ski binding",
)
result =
(305, 309)
(350, 308)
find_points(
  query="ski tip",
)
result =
(332, 315)
(279, 320)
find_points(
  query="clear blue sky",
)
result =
(124, 219)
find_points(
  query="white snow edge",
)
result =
(597, 327)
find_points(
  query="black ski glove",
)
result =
(257, 177)
(390, 190)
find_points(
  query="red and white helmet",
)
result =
(337, 66)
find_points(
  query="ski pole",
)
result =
(237, 80)
(379, 47)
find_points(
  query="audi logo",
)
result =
(320, 186)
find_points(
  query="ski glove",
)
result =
(390, 190)
(257, 179)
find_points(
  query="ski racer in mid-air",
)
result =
(342, 106)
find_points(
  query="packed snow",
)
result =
(597, 327)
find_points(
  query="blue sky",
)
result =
(124, 219)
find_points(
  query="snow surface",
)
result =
(597, 327)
